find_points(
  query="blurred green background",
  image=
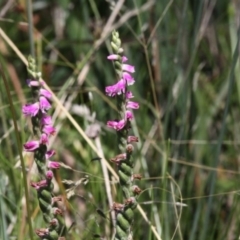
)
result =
(186, 56)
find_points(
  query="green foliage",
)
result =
(188, 121)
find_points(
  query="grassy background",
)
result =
(186, 56)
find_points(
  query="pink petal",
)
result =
(117, 125)
(31, 146)
(129, 95)
(44, 139)
(30, 109)
(49, 175)
(39, 185)
(45, 93)
(129, 115)
(46, 120)
(112, 124)
(130, 80)
(49, 130)
(133, 105)
(131, 139)
(128, 68)
(121, 87)
(116, 57)
(49, 154)
(121, 125)
(33, 83)
(111, 91)
(118, 88)
(112, 57)
(44, 104)
(124, 58)
(53, 165)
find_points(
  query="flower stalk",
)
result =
(124, 160)
(42, 130)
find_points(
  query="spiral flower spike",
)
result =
(124, 160)
(42, 131)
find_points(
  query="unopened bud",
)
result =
(56, 199)
(129, 148)
(136, 190)
(130, 201)
(49, 175)
(57, 211)
(54, 165)
(39, 185)
(42, 232)
(117, 159)
(118, 207)
(131, 139)
(54, 222)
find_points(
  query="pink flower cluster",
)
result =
(39, 110)
(121, 88)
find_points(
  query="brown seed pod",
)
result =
(118, 207)
(130, 201)
(117, 159)
(136, 190)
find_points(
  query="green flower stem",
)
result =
(30, 26)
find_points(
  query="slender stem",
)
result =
(19, 145)
(30, 27)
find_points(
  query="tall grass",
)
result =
(186, 57)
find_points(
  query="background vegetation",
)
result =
(186, 56)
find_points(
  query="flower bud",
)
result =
(129, 148)
(30, 109)
(31, 146)
(56, 199)
(33, 83)
(53, 165)
(57, 211)
(39, 185)
(118, 207)
(44, 104)
(131, 139)
(49, 175)
(45, 93)
(44, 138)
(136, 190)
(49, 154)
(130, 201)
(117, 159)
(42, 232)
(46, 120)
